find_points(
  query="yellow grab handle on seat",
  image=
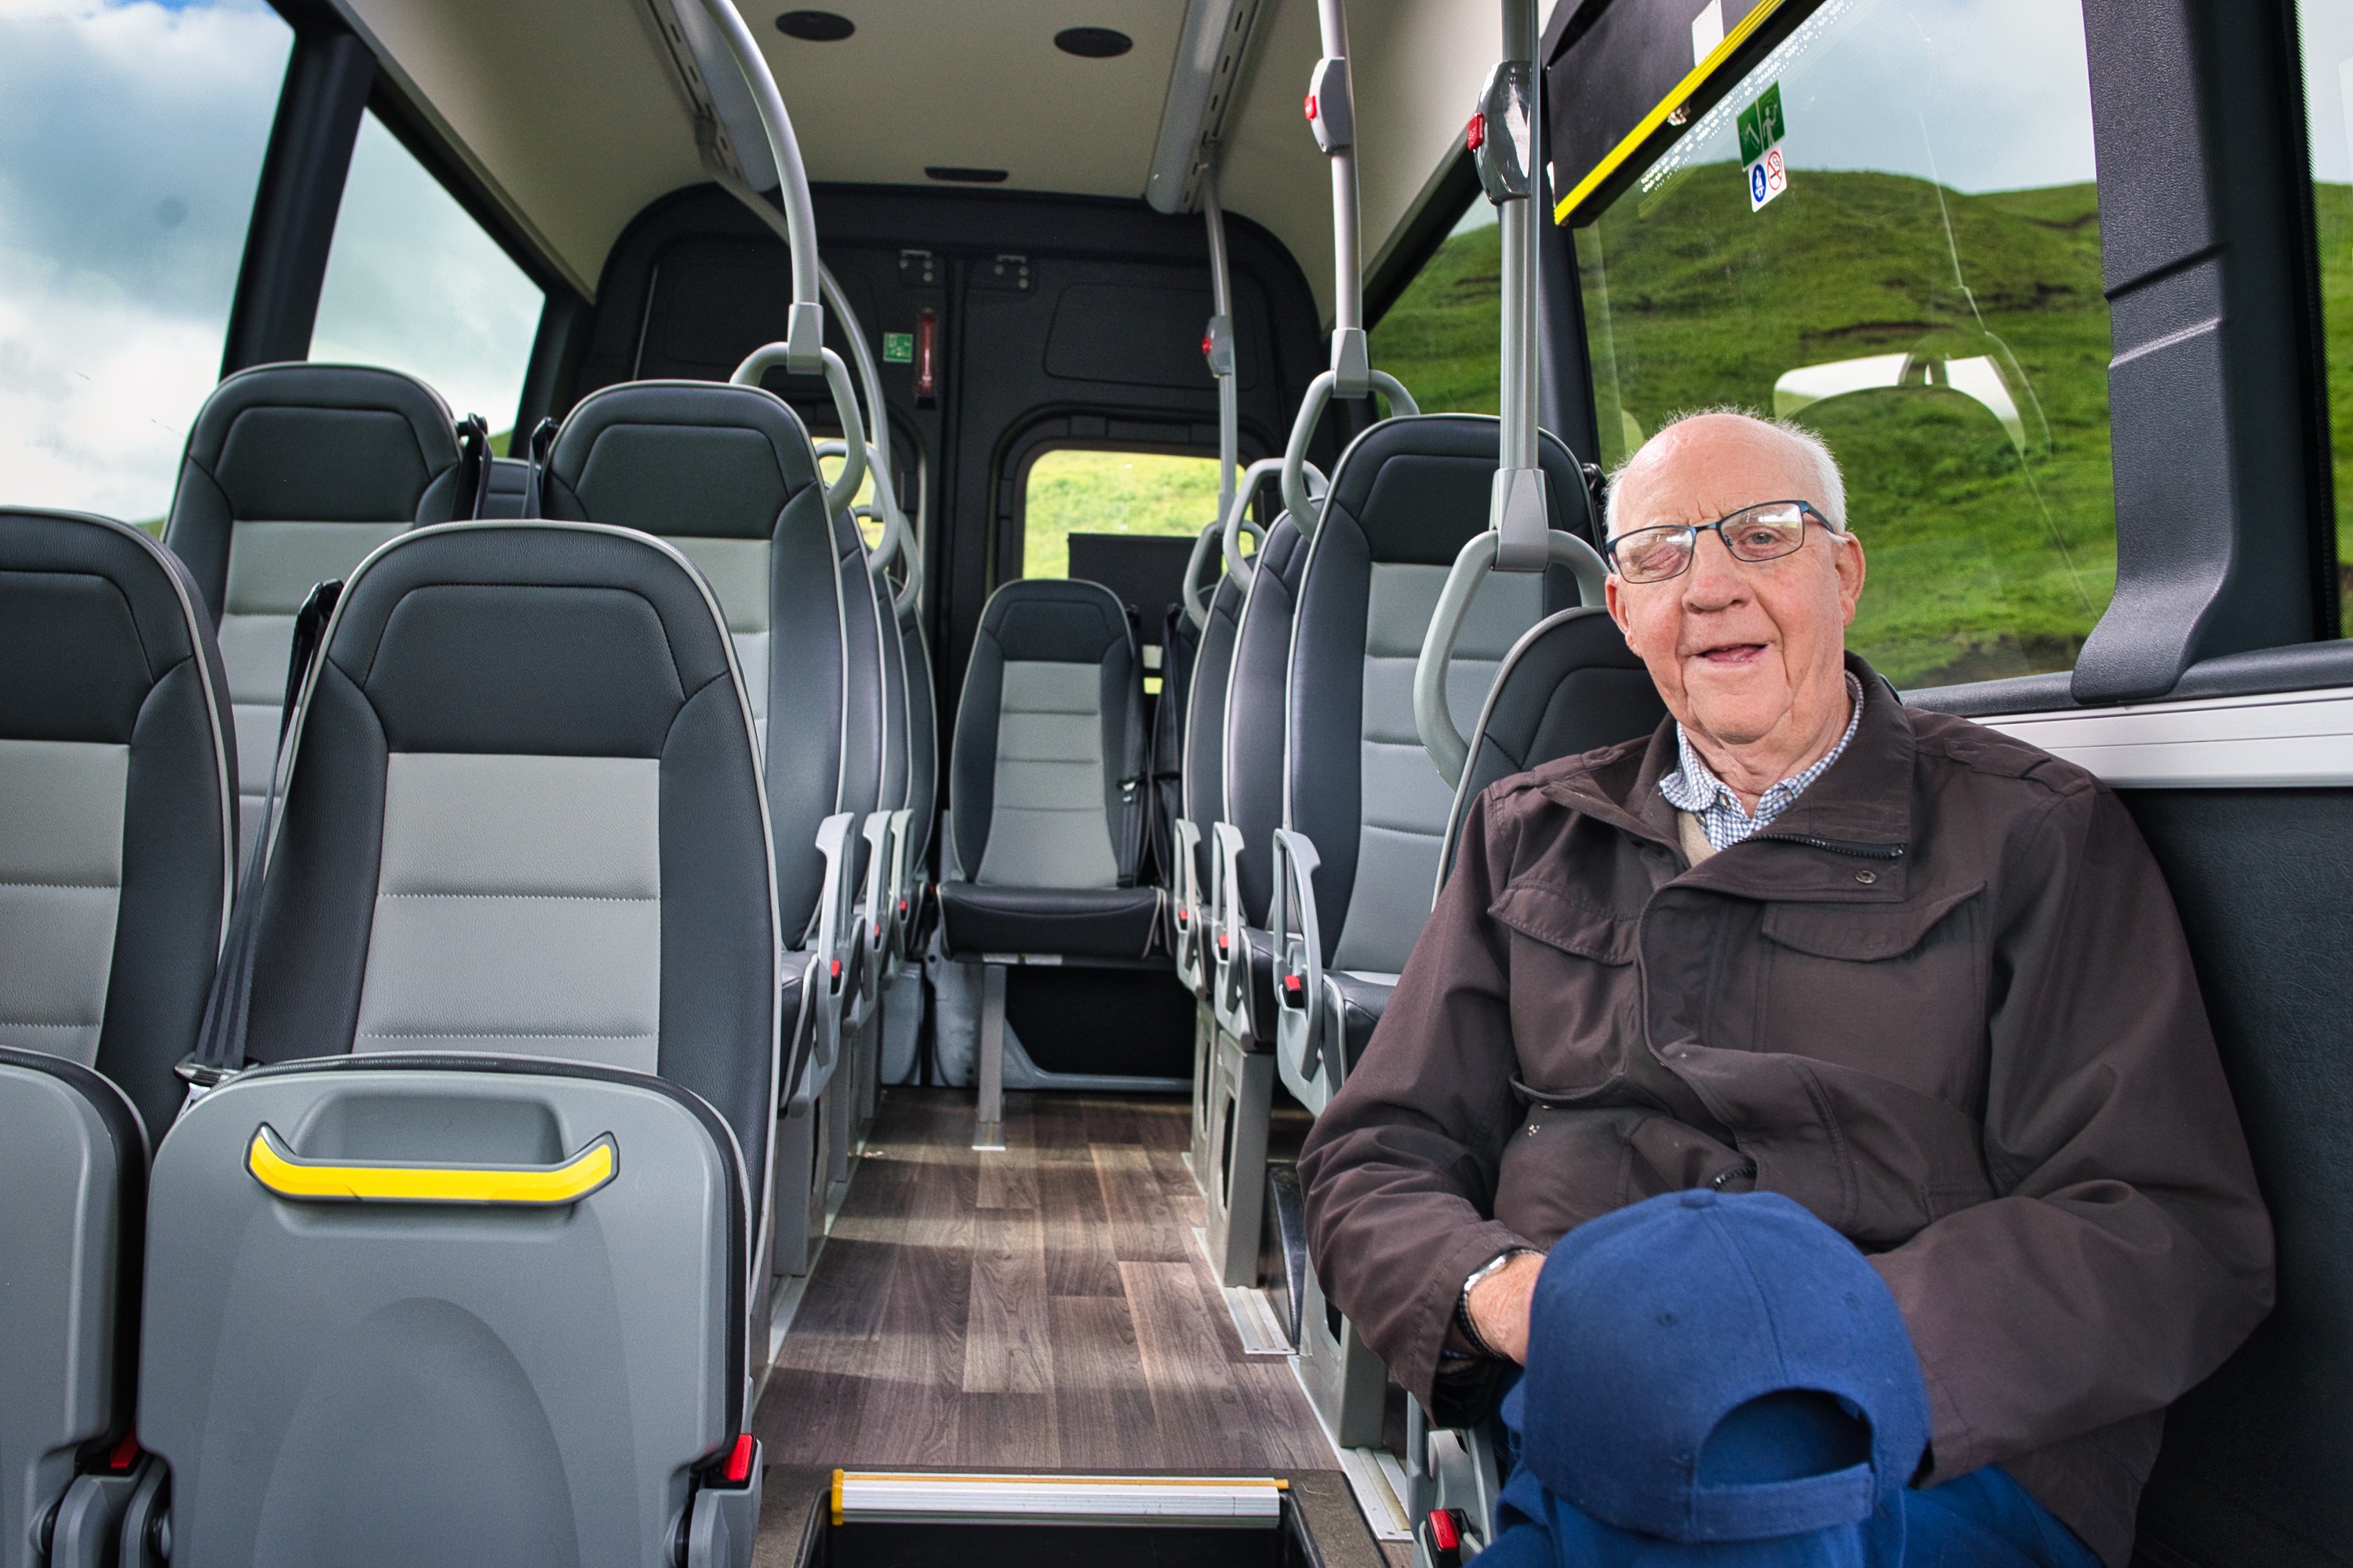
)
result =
(282, 1171)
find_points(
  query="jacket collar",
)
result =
(1862, 802)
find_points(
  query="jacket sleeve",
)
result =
(2128, 1251)
(1399, 1171)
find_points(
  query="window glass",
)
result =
(413, 285)
(1075, 490)
(2327, 28)
(131, 143)
(1444, 335)
(1920, 283)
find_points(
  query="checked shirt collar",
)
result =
(1692, 788)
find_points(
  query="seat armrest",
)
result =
(1229, 996)
(832, 955)
(1184, 902)
(1302, 1036)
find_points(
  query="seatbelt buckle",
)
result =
(1441, 1534)
(202, 1077)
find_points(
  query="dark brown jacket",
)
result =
(1944, 1001)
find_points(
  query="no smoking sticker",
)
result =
(1761, 128)
(1767, 179)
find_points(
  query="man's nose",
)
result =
(1715, 579)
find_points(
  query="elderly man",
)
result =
(1921, 977)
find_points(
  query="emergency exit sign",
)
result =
(898, 348)
(1761, 129)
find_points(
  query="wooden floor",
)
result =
(1044, 1307)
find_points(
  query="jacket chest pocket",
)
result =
(1898, 991)
(1572, 996)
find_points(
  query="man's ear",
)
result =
(1613, 595)
(1849, 563)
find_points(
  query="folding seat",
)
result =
(1046, 799)
(292, 474)
(458, 1261)
(118, 834)
(726, 473)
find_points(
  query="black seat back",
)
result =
(118, 825)
(1570, 685)
(1047, 789)
(1250, 753)
(293, 473)
(1407, 494)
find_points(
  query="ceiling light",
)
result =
(816, 26)
(1093, 43)
(965, 176)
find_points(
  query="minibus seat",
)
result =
(1570, 685)
(461, 1269)
(1046, 793)
(911, 848)
(293, 473)
(1201, 770)
(118, 834)
(1365, 809)
(728, 475)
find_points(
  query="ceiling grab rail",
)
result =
(898, 535)
(1243, 568)
(1519, 537)
(1332, 115)
(803, 350)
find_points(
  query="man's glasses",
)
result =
(1761, 532)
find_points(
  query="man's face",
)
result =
(1742, 653)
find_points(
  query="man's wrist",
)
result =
(1464, 1323)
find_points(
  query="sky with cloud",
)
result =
(131, 140)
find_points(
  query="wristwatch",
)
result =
(1470, 1334)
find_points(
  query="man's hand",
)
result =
(1499, 1305)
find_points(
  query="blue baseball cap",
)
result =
(1652, 1326)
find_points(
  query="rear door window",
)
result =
(2327, 26)
(1888, 231)
(131, 145)
(1074, 490)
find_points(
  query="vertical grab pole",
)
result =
(1503, 137)
(1219, 346)
(1332, 112)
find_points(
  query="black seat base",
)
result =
(978, 919)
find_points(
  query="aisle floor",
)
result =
(1044, 1307)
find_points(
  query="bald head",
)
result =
(1729, 437)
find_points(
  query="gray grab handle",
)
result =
(1304, 513)
(1432, 718)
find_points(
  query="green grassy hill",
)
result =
(1982, 563)
(2333, 207)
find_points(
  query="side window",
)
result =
(2327, 34)
(1889, 231)
(131, 145)
(1073, 490)
(1443, 336)
(413, 285)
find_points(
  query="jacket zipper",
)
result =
(1836, 846)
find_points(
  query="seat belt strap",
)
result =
(220, 1040)
(474, 463)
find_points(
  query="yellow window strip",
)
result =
(280, 1170)
(1683, 92)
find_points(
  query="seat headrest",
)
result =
(1054, 619)
(698, 459)
(1418, 486)
(323, 443)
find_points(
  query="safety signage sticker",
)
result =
(1761, 129)
(899, 347)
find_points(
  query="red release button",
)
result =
(1474, 137)
(739, 1460)
(1442, 1533)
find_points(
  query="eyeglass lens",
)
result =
(1753, 534)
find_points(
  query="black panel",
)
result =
(2254, 1467)
(1136, 1023)
(1144, 572)
(2206, 273)
(1076, 922)
(1140, 336)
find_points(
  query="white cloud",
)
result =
(130, 139)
